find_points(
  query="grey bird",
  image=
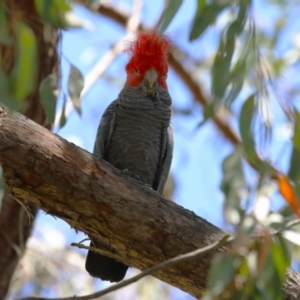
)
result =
(135, 133)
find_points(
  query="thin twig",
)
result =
(273, 233)
(170, 262)
(100, 67)
(289, 225)
(25, 207)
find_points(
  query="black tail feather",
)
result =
(104, 267)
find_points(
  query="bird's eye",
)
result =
(164, 75)
(136, 72)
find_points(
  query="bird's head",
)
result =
(148, 61)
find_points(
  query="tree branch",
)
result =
(170, 262)
(142, 227)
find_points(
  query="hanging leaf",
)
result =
(168, 15)
(205, 16)
(221, 273)
(53, 12)
(294, 171)
(280, 257)
(63, 119)
(24, 74)
(288, 193)
(75, 86)
(222, 75)
(296, 137)
(245, 121)
(232, 186)
(237, 79)
(222, 62)
(48, 95)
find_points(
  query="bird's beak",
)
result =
(151, 77)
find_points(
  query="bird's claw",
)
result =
(132, 175)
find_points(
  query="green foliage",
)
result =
(246, 117)
(48, 94)
(53, 12)
(24, 74)
(206, 15)
(257, 273)
(294, 170)
(221, 273)
(168, 14)
(75, 86)
(232, 185)
(252, 269)
(63, 119)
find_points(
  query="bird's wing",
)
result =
(165, 165)
(105, 130)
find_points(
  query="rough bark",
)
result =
(13, 235)
(141, 226)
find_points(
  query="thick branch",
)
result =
(141, 226)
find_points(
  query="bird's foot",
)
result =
(132, 175)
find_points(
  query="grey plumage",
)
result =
(134, 135)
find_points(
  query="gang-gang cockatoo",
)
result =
(135, 134)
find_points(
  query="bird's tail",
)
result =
(104, 267)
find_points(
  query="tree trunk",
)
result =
(142, 227)
(13, 235)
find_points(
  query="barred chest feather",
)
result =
(137, 142)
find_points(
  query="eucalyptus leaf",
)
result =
(232, 185)
(222, 64)
(168, 15)
(237, 81)
(296, 137)
(205, 16)
(63, 119)
(53, 12)
(294, 171)
(75, 86)
(273, 273)
(268, 281)
(24, 74)
(245, 121)
(222, 270)
(48, 95)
